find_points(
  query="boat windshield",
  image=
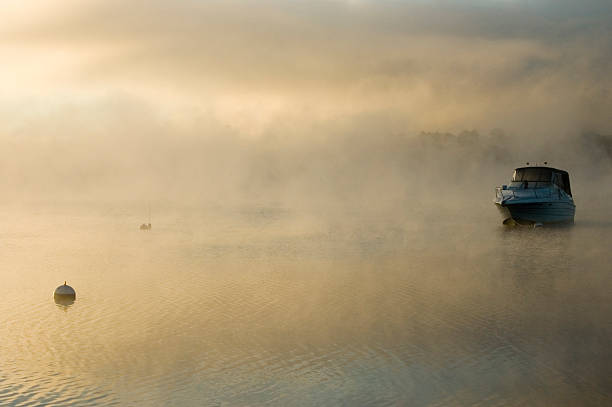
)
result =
(529, 184)
(533, 174)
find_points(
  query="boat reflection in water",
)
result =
(536, 196)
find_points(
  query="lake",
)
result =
(264, 305)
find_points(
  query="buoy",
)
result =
(64, 292)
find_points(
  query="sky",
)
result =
(83, 82)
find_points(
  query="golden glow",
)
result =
(255, 63)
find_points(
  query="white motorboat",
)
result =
(536, 195)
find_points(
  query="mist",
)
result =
(124, 152)
(298, 103)
(319, 176)
(233, 101)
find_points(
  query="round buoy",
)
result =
(64, 292)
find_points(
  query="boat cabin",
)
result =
(540, 177)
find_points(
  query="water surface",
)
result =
(263, 305)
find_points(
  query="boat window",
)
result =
(566, 183)
(532, 174)
(562, 180)
(530, 184)
(559, 180)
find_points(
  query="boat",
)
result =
(536, 196)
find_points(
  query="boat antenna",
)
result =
(149, 212)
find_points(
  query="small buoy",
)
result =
(64, 292)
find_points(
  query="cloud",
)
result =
(446, 67)
(116, 87)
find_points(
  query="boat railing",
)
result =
(543, 193)
(548, 193)
(498, 192)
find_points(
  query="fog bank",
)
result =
(372, 104)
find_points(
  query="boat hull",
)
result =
(538, 212)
